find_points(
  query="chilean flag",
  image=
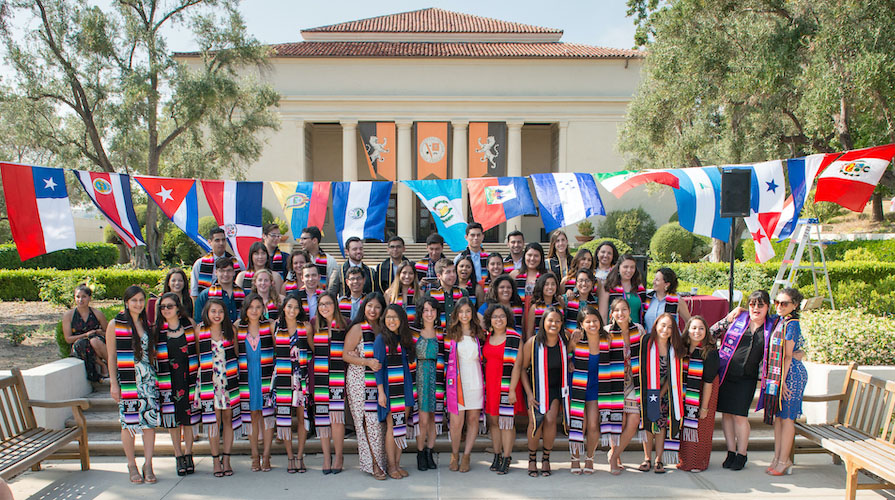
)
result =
(849, 181)
(177, 199)
(495, 199)
(111, 193)
(236, 207)
(38, 209)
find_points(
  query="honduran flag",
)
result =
(444, 199)
(178, 200)
(359, 209)
(495, 199)
(566, 198)
(619, 183)
(38, 210)
(802, 172)
(236, 207)
(849, 181)
(111, 193)
(699, 202)
(304, 203)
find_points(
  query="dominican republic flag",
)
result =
(359, 209)
(768, 190)
(849, 181)
(236, 207)
(619, 183)
(495, 199)
(566, 198)
(699, 202)
(304, 203)
(444, 199)
(111, 193)
(802, 172)
(38, 209)
(178, 200)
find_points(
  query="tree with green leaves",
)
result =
(106, 92)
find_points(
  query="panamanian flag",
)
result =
(178, 200)
(444, 199)
(111, 193)
(566, 198)
(766, 205)
(493, 200)
(359, 209)
(236, 207)
(699, 202)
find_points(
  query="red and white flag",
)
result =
(768, 192)
(849, 181)
(111, 193)
(236, 207)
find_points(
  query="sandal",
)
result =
(378, 474)
(495, 465)
(256, 463)
(181, 465)
(301, 466)
(291, 468)
(660, 467)
(576, 465)
(588, 469)
(150, 476)
(645, 466)
(533, 462)
(190, 466)
(228, 471)
(266, 467)
(394, 474)
(218, 466)
(614, 468)
(545, 463)
(134, 474)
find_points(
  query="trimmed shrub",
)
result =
(858, 254)
(881, 250)
(672, 243)
(87, 255)
(178, 249)
(845, 335)
(59, 290)
(633, 226)
(748, 246)
(24, 284)
(592, 245)
(878, 299)
(64, 347)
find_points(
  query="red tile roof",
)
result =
(430, 20)
(557, 50)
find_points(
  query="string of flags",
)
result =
(41, 222)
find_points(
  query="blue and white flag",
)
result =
(444, 199)
(359, 209)
(699, 202)
(566, 198)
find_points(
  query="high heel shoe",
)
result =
(181, 465)
(149, 477)
(228, 470)
(190, 466)
(265, 467)
(430, 459)
(495, 464)
(787, 470)
(772, 466)
(218, 465)
(256, 463)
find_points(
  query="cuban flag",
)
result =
(178, 200)
(849, 181)
(802, 172)
(38, 210)
(444, 199)
(699, 202)
(766, 204)
(304, 203)
(236, 207)
(495, 199)
(359, 209)
(111, 193)
(566, 198)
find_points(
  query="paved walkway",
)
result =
(815, 477)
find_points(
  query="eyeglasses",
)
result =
(165, 307)
(782, 303)
(756, 303)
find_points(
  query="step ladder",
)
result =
(800, 242)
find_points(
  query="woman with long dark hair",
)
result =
(503, 291)
(256, 363)
(625, 282)
(295, 263)
(493, 269)
(396, 352)
(430, 382)
(84, 328)
(403, 290)
(545, 294)
(584, 351)
(701, 378)
(533, 265)
(583, 260)
(465, 383)
(466, 280)
(579, 297)
(259, 258)
(606, 258)
(291, 371)
(176, 282)
(501, 354)
(558, 258)
(663, 298)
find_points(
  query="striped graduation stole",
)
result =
(573, 305)
(165, 387)
(508, 265)
(651, 408)
(540, 381)
(506, 410)
(410, 307)
(127, 374)
(266, 346)
(247, 280)
(329, 374)
(206, 378)
(277, 263)
(345, 307)
(772, 370)
(611, 398)
(578, 396)
(371, 392)
(423, 269)
(272, 307)
(570, 284)
(397, 400)
(619, 292)
(290, 284)
(439, 295)
(540, 308)
(671, 303)
(238, 294)
(470, 292)
(693, 368)
(321, 262)
(485, 282)
(520, 284)
(305, 303)
(518, 315)
(285, 393)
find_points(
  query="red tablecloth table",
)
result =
(713, 309)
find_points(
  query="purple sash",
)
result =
(731, 340)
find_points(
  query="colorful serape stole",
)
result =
(580, 359)
(127, 374)
(540, 382)
(206, 381)
(506, 411)
(345, 308)
(285, 392)
(397, 400)
(266, 366)
(693, 367)
(165, 386)
(772, 371)
(371, 391)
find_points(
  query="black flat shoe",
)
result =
(738, 462)
(421, 463)
(430, 459)
(729, 460)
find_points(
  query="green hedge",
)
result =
(87, 256)
(24, 284)
(845, 335)
(881, 250)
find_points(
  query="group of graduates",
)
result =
(290, 343)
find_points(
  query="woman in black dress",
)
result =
(84, 329)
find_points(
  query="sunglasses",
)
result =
(782, 302)
(165, 307)
(756, 303)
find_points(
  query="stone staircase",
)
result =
(374, 253)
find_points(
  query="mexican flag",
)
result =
(619, 183)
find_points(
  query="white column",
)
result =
(303, 167)
(405, 172)
(563, 153)
(349, 150)
(514, 163)
(461, 158)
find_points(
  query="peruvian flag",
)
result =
(619, 183)
(236, 207)
(178, 200)
(768, 190)
(111, 193)
(849, 181)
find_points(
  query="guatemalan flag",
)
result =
(178, 200)
(699, 202)
(236, 207)
(111, 193)
(566, 198)
(766, 204)
(849, 181)
(38, 210)
(359, 209)
(802, 172)
(495, 199)
(444, 199)
(304, 203)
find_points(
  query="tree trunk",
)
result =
(877, 203)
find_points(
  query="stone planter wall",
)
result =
(828, 379)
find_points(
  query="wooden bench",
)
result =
(22, 443)
(863, 435)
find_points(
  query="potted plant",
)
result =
(585, 231)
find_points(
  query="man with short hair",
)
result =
(203, 274)
(446, 294)
(223, 289)
(310, 242)
(310, 278)
(387, 270)
(474, 237)
(516, 245)
(276, 261)
(349, 304)
(425, 268)
(337, 280)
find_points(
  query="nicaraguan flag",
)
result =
(495, 199)
(38, 210)
(236, 207)
(359, 209)
(566, 198)
(178, 200)
(304, 203)
(699, 202)
(444, 199)
(111, 193)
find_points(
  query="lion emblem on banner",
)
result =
(376, 149)
(489, 151)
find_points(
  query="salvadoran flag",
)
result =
(495, 199)
(359, 209)
(304, 203)
(849, 181)
(178, 200)
(699, 202)
(619, 183)
(802, 172)
(444, 199)
(38, 210)
(236, 207)
(766, 204)
(111, 193)
(566, 198)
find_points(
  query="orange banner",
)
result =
(431, 150)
